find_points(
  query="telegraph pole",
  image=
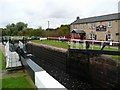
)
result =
(48, 24)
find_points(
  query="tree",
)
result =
(37, 32)
(21, 26)
(10, 28)
(64, 30)
(13, 29)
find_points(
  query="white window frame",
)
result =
(92, 36)
(110, 24)
(110, 37)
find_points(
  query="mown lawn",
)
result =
(53, 43)
(2, 60)
(65, 45)
(116, 57)
(12, 82)
(16, 82)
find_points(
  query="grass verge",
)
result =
(16, 82)
(65, 45)
(2, 61)
(116, 57)
(52, 43)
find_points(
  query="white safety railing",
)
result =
(12, 58)
(81, 44)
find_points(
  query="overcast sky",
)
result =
(38, 12)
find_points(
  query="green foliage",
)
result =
(63, 30)
(21, 26)
(6, 32)
(21, 29)
(37, 32)
(13, 29)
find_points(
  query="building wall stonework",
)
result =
(101, 35)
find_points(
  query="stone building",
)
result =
(103, 27)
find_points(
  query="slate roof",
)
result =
(77, 31)
(108, 17)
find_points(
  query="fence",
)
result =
(81, 44)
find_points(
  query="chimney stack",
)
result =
(78, 17)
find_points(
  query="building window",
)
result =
(108, 36)
(101, 28)
(92, 25)
(93, 36)
(110, 24)
(117, 34)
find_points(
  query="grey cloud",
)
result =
(38, 12)
(59, 14)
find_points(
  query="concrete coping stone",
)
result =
(50, 47)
